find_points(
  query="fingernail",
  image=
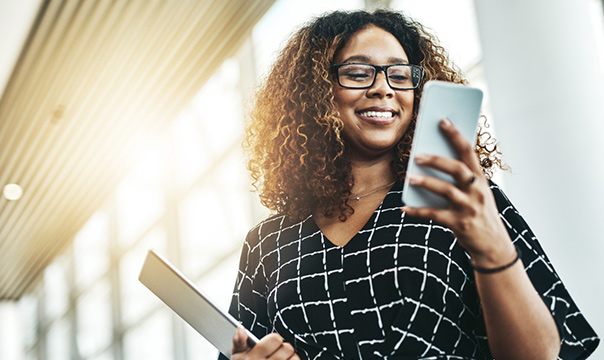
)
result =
(420, 158)
(413, 179)
(445, 122)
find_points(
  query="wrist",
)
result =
(497, 258)
(492, 270)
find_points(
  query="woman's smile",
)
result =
(377, 115)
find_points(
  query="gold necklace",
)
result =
(358, 197)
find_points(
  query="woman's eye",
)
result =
(357, 76)
(399, 78)
(356, 73)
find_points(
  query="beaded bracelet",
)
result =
(500, 268)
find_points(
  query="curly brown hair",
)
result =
(298, 158)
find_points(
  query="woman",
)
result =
(343, 270)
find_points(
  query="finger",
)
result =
(267, 346)
(440, 187)
(239, 341)
(439, 216)
(285, 351)
(464, 149)
(457, 169)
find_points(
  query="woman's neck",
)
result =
(371, 174)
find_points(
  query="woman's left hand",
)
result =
(472, 214)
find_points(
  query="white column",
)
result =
(11, 347)
(546, 90)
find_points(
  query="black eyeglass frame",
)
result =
(379, 68)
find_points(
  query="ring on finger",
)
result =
(470, 180)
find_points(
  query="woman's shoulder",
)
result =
(501, 199)
(271, 226)
(496, 189)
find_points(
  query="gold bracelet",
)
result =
(500, 268)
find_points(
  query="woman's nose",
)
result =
(380, 86)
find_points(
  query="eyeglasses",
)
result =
(362, 76)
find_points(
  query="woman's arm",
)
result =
(518, 323)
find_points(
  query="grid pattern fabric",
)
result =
(402, 288)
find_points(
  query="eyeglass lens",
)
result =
(363, 75)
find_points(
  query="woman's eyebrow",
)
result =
(367, 59)
(362, 58)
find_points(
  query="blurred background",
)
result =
(120, 131)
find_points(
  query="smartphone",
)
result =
(190, 303)
(456, 102)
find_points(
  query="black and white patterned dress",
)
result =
(402, 288)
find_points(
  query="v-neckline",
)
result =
(369, 223)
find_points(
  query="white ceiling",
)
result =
(85, 83)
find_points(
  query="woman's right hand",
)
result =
(271, 347)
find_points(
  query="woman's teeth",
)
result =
(377, 114)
